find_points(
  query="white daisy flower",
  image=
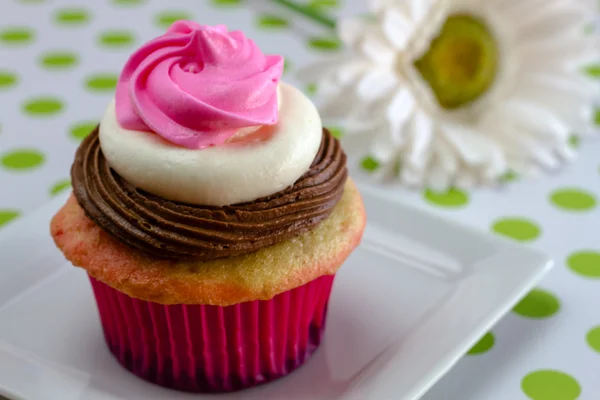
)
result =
(460, 92)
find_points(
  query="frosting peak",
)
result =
(196, 85)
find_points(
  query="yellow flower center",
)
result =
(461, 62)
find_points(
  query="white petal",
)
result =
(438, 179)
(375, 84)
(532, 171)
(545, 157)
(376, 49)
(351, 30)
(383, 147)
(564, 84)
(397, 29)
(379, 5)
(566, 152)
(566, 48)
(471, 145)
(465, 178)
(538, 120)
(421, 130)
(419, 9)
(550, 22)
(446, 156)
(350, 72)
(575, 110)
(401, 106)
(323, 68)
(496, 166)
(410, 177)
(515, 10)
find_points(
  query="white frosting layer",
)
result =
(222, 175)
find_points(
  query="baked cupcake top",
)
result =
(205, 153)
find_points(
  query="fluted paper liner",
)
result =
(204, 348)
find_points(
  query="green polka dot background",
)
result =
(573, 199)
(7, 216)
(538, 304)
(116, 38)
(43, 106)
(80, 130)
(450, 199)
(60, 186)
(483, 345)
(551, 385)
(58, 60)
(59, 65)
(22, 159)
(272, 22)
(8, 79)
(103, 82)
(585, 263)
(16, 36)
(72, 16)
(517, 228)
(593, 338)
(324, 44)
(166, 18)
(226, 3)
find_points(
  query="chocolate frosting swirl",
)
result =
(167, 229)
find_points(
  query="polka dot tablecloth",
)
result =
(59, 62)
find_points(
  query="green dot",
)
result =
(42, 106)
(8, 215)
(311, 89)
(484, 344)
(72, 16)
(22, 159)
(128, 2)
(324, 3)
(537, 304)
(336, 132)
(7, 79)
(593, 338)
(550, 385)
(450, 198)
(586, 263)
(167, 18)
(287, 65)
(574, 141)
(116, 38)
(573, 199)
(517, 228)
(593, 70)
(272, 22)
(324, 43)
(59, 60)
(226, 3)
(101, 82)
(597, 117)
(81, 130)
(510, 176)
(16, 36)
(369, 164)
(60, 187)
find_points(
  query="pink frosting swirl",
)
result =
(196, 85)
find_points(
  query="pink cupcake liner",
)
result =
(203, 348)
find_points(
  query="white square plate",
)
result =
(409, 302)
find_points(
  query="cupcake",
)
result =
(211, 211)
